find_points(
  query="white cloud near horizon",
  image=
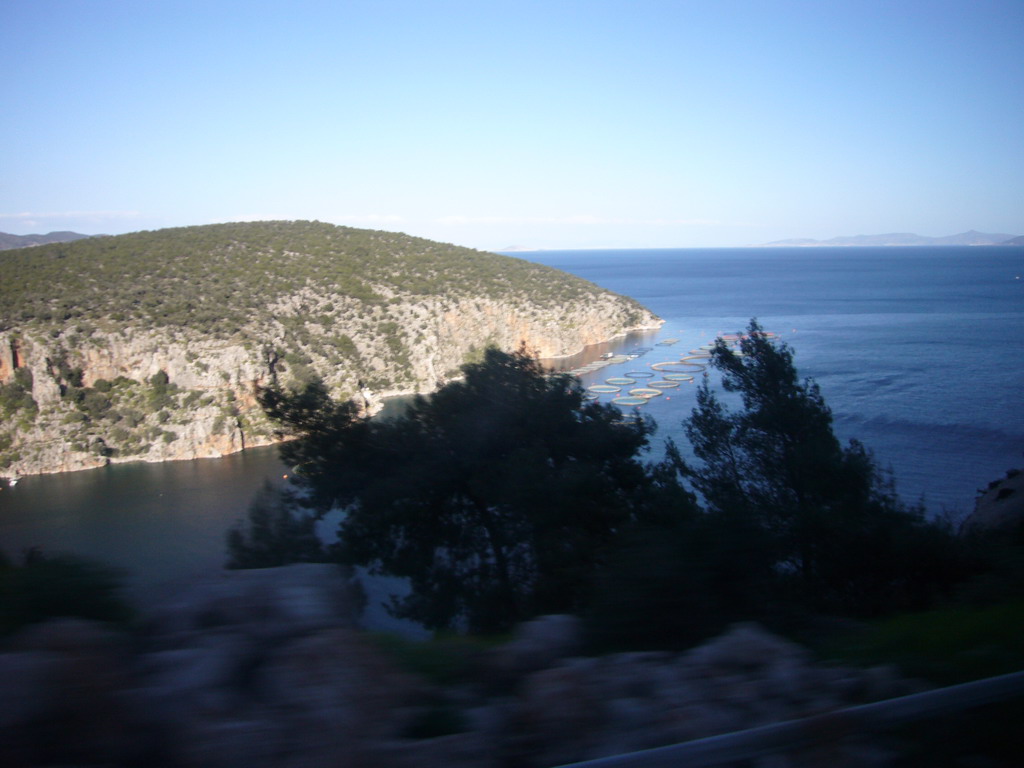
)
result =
(581, 219)
(28, 215)
(52, 221)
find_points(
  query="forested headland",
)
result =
(151, 345)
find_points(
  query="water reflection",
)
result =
(155, 521)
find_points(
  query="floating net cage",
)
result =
(736, 338)
(588, 368)
(676, 366)
(603, 389)
(666, 342)
(620, 380)
(662, 384)
(676, 377)
(629, 400)
(702, 356)
(639, 374)
(646, 392)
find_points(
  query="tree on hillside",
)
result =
(834, 518)
(498, 497)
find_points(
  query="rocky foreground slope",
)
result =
(150, 346)
(266, 669)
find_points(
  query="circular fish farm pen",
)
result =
(662, 384)
(677, 377)
(639, 374)
(620, 380)
(702, 356)
(666, 342)
(588, 368)
(603, 389)
(645, 392)
(677, 366)
(629, 400)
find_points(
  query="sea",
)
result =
(918, 351)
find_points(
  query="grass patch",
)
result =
(945, 646)
(444, 660)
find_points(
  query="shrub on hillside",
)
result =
(50, 586)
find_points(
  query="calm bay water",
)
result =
(919, 352)
(158, 522)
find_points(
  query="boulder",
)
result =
(64, 697)
(998, 507)
(268, 604)
(747, 648)
(334, 694)
(558, 718)
(536, 644)
(231, 742)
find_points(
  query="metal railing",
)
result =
(797, 734)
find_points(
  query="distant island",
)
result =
(24, 241)
(972, 237)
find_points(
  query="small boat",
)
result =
(12, 482)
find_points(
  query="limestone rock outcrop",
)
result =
(165, 371)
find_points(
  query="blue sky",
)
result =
(638, 123)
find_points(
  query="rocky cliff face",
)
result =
(75, 397)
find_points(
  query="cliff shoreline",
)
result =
(243, 440)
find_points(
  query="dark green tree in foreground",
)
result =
(505, 495)
(274, 533)
(830, 515)
(499, 497)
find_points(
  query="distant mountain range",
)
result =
(23, 241)
(905, 238)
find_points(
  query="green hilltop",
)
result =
(218, 278)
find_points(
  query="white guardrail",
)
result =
(832, 726)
